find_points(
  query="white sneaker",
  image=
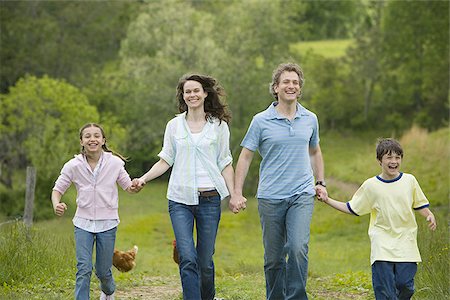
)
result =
(103, 296)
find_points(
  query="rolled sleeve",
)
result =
(168, 151)
(224, 154)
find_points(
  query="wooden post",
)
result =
(29, 197)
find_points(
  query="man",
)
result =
(287, 136)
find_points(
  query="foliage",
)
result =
(63, 39)
(417, 61)
(126, 58)
(40, 121)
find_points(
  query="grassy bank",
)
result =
(40, 263)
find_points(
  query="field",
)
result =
(40, 263)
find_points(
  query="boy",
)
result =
(391, 199)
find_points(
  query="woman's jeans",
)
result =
(196, 261)
(285, 226)
(104, 250)
(393, 280)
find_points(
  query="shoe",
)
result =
(103, 296)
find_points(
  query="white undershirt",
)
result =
(203, 180)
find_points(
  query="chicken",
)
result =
(124, 261)
(175, 252)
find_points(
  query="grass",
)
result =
(40, 263)
(327, 48)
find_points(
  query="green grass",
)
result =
(40, 263)
(327, 48)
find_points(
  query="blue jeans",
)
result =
(104, 250)
(196, 262)
(285, 227)
(393, 280)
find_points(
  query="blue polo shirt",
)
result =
(284, 145)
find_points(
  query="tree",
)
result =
(40, 120)
(63, 39)
(416, 61)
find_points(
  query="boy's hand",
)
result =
(321, 193)
(432, 222)
(60, 208)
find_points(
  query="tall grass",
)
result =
(31, 259)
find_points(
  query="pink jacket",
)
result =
(96, 199)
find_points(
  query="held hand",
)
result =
(321, 193)
(432, 222)
(60, 208)
(237, 203)
(136, 185)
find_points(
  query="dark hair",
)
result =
(285, 67)
(104, 146)
(214, 105)
(388, 145)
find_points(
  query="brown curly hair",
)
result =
(285, 67)
(214, 105)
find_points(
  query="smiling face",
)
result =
(390, 165)
(92, 139)
(288, 88)
(193, 94)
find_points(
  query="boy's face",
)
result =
(390, 165)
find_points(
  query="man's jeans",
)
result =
(393, 280)
(104, 250)
(285, 225)
(196, 262)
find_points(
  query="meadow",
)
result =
(39, 263)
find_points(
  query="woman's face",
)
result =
(193, 94)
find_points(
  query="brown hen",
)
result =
(124, 261)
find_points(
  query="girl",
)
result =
(196, 146)
(95, 173)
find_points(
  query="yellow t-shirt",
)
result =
(393, 227)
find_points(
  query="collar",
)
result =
(390, 180)
(272, 113)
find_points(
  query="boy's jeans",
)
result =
(196, 262)
(285, 226)
(104, 250)
(393, 280)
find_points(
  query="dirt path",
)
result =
(346, 187)
(152, 288)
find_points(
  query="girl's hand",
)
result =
(60, 208)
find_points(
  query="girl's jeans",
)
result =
(196, 261)
(285, 225)
(104, 246)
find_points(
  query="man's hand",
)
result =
(237, 203)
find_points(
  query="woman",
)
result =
(196, 146)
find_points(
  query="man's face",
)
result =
(288, 88)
